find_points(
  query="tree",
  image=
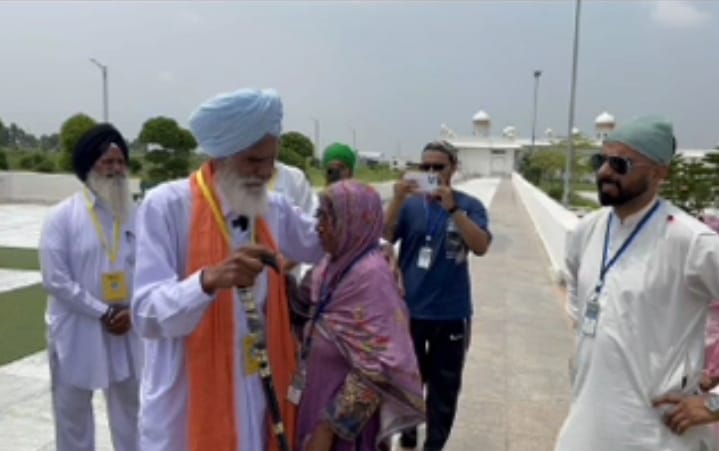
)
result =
(296, 149)
(168, 149)
(13, 132)
(37, 162)
(70, 133)
(298, 143)
(691, 185)
(543, 166)
(135, 165)
(4, 135)
(50, 142)
(712, 162)
(3, 161)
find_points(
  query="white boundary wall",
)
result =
(39, 188)
(552, 221)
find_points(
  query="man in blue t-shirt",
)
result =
(437, 230)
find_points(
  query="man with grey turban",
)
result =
(199, 240)
(641, 275)
(87, 253)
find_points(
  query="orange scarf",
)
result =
(210, 350)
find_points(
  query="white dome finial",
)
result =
(481, 116)
(604, 119)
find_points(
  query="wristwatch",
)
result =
(452, 210)
(712, 403)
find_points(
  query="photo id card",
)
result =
(424, 260)
(114, 287)
(591, 317)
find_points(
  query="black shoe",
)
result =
(408, 440)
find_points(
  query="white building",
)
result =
(484, 155)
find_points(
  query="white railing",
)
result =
(552, 221)
(39, 188)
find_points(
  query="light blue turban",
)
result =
(232, 122)
(652, 136)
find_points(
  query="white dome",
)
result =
(576, 131)
(604, 119)
(549, 132)
(509, 131)
(481, 116)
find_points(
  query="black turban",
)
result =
(92, 145)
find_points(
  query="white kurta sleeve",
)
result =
(297, 237)
(572, 259)
(164, 303)
(55, 268)
(702, 266)
(306, 195)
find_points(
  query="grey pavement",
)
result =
(516, 383)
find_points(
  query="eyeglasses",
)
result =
(426, 167)
(620, 165)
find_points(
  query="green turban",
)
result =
(339, 152)
(652, 136)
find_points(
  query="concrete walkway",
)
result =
(516, 383)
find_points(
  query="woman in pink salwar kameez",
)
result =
(360, 383)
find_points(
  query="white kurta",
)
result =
(650, 332)
(291, 182)
(72, 262)
(167, 307)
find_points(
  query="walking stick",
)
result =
(259, 353)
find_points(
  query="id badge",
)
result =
(425, 257)
(294, 391)
(591, 317)
(114, 287)
(252, 365)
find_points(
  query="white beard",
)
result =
(250, 201)
(113, 191)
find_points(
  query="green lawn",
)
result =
(16, 258)
(22, 324)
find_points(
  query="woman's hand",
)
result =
(688, 411)
(708, 382)
(321, 439)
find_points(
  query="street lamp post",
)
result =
(354, 139)
(318, 149)
(537, 74)
(103, 69)
(572, 95)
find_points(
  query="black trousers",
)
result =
(440, 347)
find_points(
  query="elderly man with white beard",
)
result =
(87, 250)
(200, 239)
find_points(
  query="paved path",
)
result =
(516, 384)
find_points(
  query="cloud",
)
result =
(189, 17)
(166, 76)
(679, 14)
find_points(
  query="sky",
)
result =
(392, 71)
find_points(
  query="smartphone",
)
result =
(427, 182)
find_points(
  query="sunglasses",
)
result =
(426, 167)
(620, 165)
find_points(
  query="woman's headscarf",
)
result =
(712, 222)
(355, 210)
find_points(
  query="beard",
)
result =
(613, 193)
(246, 196)
(114, 190)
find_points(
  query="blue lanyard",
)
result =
(607, 266)
(325, 298)
(432, 226)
